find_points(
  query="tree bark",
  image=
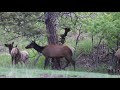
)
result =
(51, 27)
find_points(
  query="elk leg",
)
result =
(58, 62)
(72, 62)
(12, 61)
(53, 63)
(66, 64)
(22, 62)
(37, 59)
(16, 60)
(46, 62)
(27, 61)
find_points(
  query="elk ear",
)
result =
(12, 43)
(32, 41)
(6, 45)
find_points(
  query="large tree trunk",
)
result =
(51, 27)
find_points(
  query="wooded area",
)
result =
(89, 41)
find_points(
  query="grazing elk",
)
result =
(17, 55)
(53, 51)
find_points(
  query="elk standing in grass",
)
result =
(53, 51)
(17, 55)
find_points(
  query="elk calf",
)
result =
(17, 55)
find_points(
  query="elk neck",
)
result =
(38, 48)
(10, 50)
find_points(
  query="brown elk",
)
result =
(117, 54)
(63, 36)
(61, 42)
(53, 51)
(115, 68)
(117, 57)
(17, 55)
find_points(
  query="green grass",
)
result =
(5, 60)
(39, 73)
(30, 71)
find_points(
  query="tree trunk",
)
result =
(51, 27)
(92, 46)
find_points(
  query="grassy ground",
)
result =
(39, 73)
(30, 71)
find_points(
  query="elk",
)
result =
(115, 68)
(16, 54)
(53, 51)
(63, 36)
(117, 54)
(61, 42)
